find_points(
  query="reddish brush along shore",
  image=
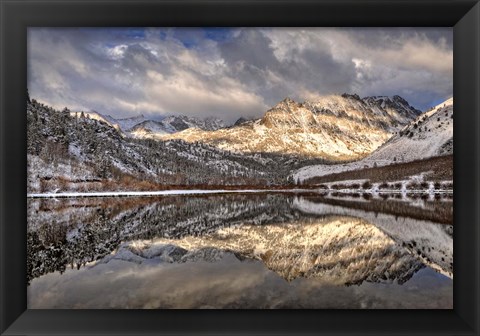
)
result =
(436, 169)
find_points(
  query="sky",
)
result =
(233, 72)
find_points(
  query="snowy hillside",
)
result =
(120, 124)
(429, 134)
(336, 127)
(87, 152)
(99, 117)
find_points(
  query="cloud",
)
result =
(230, 73)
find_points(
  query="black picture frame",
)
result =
(16, 16)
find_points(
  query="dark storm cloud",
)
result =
(251, 58)
(230, 73)
(375, 38)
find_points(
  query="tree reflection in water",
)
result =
(294, 236)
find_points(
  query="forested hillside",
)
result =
(75, 152)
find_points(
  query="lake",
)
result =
(264, 250)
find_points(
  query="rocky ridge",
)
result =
(336, 127)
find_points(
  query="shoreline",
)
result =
(225, 191)
(159, 193)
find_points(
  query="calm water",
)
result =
(241, 251)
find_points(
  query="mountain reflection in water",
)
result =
(240, 251)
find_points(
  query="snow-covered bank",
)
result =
(158, 193)
(374, 190)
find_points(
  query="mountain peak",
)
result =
(287, 100)
(285, 104)
(354, 96)
(395, 102)
(397, 98)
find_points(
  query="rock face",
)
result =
(396, 107)
(335, 127)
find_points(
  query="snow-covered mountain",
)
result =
(184, 150)
(173, 124)
(68, 150)
(396, 107)
(429, 134)
(127, 123)
(141, 127)
(179, 123)
(335, 127)
(147, 127)
(121, 124)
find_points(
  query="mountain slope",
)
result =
(334, 127)
(428, 135)
(68, 153)
(93, 115)
(147, 127)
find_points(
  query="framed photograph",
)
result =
(202, 167)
